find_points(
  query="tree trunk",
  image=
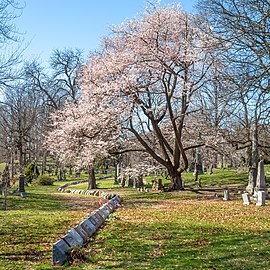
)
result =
(21, 159)
(116, 175)
(177, 183)
(91, 178)
(13, 171)
(253, 169)
(44, 162)
(56, 169)
(130, 181)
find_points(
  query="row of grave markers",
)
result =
(80, 234)
(261, 197)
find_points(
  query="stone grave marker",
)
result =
(226, 195)
(260, 180)
(76, 236)
(246, 199)
(109, 207)
(22, 179)
(89, 227)
(96, 219)
(84, 234)
(261, 198)
(60, 252)
(103, 212)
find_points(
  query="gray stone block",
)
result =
(60, 252)
(82, 233)
(261, 198)
(89, 227)
(76, 237)
(103, 212)
(109, 206)
(96, 219)
(24, 194)
(116, 201)
(246, 199)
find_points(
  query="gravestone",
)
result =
(60, 252)
(96, 219)
(103, 212)
(84, 234)
(89, 227)
(22, 180)
(198, 167)
(260, 180)
(192, 166)
(260, 198)
(246, 199)
(109, 207)
(76, 237)
(226, 195)
(157, 184)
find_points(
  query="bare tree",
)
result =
(9, 35)
(60, 83)
(18, 118)
(241, 31)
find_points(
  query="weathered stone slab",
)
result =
(82, 233)
(96, 219)
(261, 181)
(261, 198)
(116, 200)
(24, 194)
(79, 235)
(59, 252)
(246, 199)
(109, 206)
(103, 212)
(72, 240)
(89, 227)
(226, 195)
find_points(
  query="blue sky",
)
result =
(59, 24)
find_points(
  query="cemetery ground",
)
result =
(191, 229)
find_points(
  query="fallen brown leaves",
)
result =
(229, 214)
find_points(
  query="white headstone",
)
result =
(226, 195)
(261, 198)
(246, 199)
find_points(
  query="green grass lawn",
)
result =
(191, 229)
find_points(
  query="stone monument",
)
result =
(260, 181)
(260, 198)
(226, 195)
(22, 180)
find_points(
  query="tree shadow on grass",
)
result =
(49, 202)
(193, 247)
